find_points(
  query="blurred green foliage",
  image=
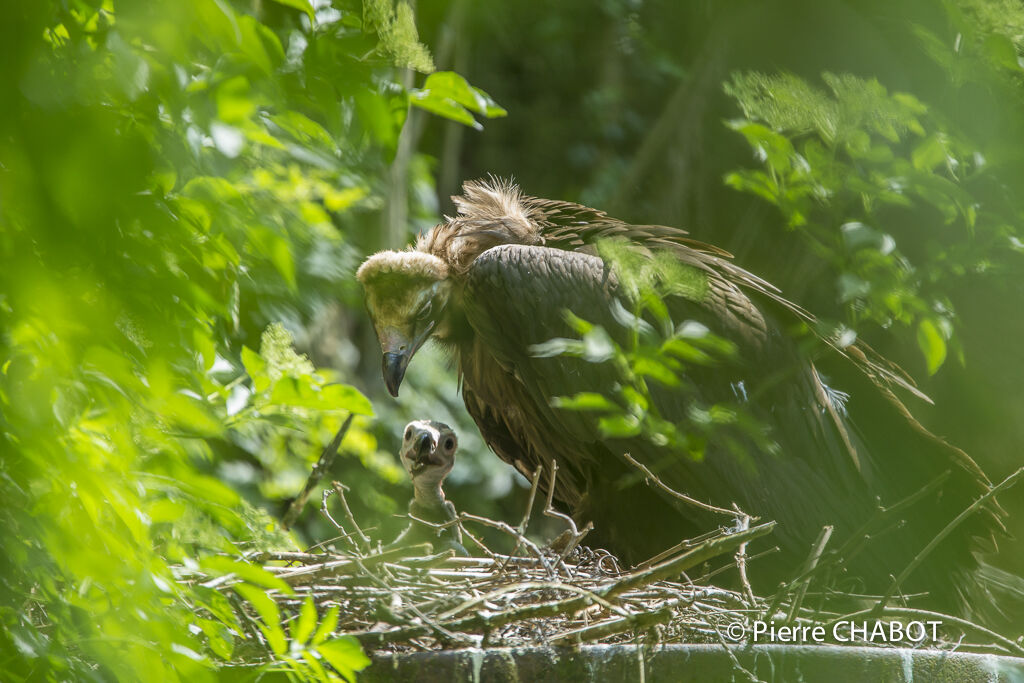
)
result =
(181, 184)
(845, 159)
(657, 353)
(186, 188)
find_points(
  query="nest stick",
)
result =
(743, 524)
(705, 551)
(576, 536)
(812, 561)
(612, 626)
(525, 522)
(732, 656)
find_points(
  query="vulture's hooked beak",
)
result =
(399, 348)
(393, 367)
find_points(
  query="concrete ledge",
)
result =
(683, 663)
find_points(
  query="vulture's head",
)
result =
(428, 452)
(407, 294)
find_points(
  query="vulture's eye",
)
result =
(449, 444)
(408, 433)
(424, 312)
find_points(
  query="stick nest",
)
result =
(410, 599)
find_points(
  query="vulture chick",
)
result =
(495, 281)
(428, 455)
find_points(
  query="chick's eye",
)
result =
(449, 444)
(408, 433)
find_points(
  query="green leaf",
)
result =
(269, 614)
(301, 5)
(234, 101)
(281, 257)
(261, 602)
(929, 153)
(583, 401)
(619, 426)
(345, 655)
(932, 344)
(448, 94)
(774, 148)
(310, 657)
(557, 347)
(259, 44)
(165, 510)
(211, 188)
(327, 626)
(651, 366)
(442, 106)
(492, 109)
(453, 86)
(686, 352)
(303, 627)
(597, 346)
(256, 368)
(219, 564)
(304, 129)
(218, 637)
(346, 397)
(1002, 51)
(190, 415)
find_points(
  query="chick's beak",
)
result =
(420, 453)
(423, 447)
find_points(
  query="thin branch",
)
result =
(751, 676)
(340, 489)
(743, 524)
(323, 464)
(812, 561)
(948, 529)
(345, 536)
(613, 626)
(852, 546)
(525, 522)
(549, 511)
(653, 478)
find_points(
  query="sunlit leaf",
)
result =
(302, 628)
(301, 5)
(932, 344)
(327, 626)
(246, 571)
(585, 400)
(344, 655)
(269, 614)
(619, 426)
(218, 637)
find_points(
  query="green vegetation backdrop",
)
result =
(186, 188)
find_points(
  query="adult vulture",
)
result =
(495, 281)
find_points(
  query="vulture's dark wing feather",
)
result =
(515, 297)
